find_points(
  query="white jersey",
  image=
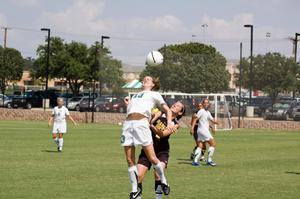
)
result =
(204, 117)
(59, 114)
(143, 103)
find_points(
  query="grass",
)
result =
(251, 164)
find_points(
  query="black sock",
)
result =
(157, 183)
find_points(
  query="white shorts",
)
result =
(136, 132)
(204, 135)
(59, 128)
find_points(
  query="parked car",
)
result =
(116, 105)
(296, 113)
(101, 104)
(281, 110)
(86, 104)
(74, 103)
(28, 100)
(7, 101)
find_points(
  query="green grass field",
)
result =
(251, 164)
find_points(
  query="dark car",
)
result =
(280, 110)
(101, 104)
(28, 100)
(86, 104)
(116, 105)
(260, 104)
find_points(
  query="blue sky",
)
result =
(138, 26)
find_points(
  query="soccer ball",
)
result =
(154, 58)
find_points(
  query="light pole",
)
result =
(93, 74)
(240, 84)
(296, 44)
(47, 64)
(103, 37)
(251, 62)
(204, 26)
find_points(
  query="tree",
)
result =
(273, 73)
(11, 66)
(77, 63)
(191, 67)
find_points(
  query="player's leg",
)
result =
(164, 158)
(60, 141)
(211, 150)
(142, 170)
(158, 166)
(197, 153)
(55, 138)
(195, 138)
(132, 171)
(203, 150)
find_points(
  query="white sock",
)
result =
(160, 171)
(133, 176)
(211, 151)
(60, 142)
(197, 154)
(56, 141)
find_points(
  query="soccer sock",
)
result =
(133, 176)
(158, 190)
(160, 171)
(211, 151)
(197, 154)
(55, 140)
(60, 142)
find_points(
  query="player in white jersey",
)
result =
(204, 134)
(136, 131)
(58, 117)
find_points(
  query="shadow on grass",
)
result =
(292, 172)
(184, 161)
(49, 151)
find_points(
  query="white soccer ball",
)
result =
(154, 58)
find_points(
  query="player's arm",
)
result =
(168, 112)
(50, 120)
(155, 116)
(193, 123)
(71, 118)
(165, 132)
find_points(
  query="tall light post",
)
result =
(47, 64)
(296, 44)
(204, 26)
(240, 84)
(251, 62)
(103, 37)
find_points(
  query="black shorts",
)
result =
(163, 156)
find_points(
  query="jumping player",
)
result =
(136, 131)
(203, 133)
(160, 136)
(59, 115)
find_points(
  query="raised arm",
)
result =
(165, 132)
(168, 112)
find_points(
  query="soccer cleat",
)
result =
(211, 163)
(195, 164)
(165, 188)
(59, 149)
(136, 195)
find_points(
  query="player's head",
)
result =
(60, 101)
(205, 104)
(199, 106)
(178, 109)
(151, 83)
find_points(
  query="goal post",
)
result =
(219, 106)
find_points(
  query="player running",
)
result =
(160, 136)
(59, 114)
(203, 133)
(136, 131)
